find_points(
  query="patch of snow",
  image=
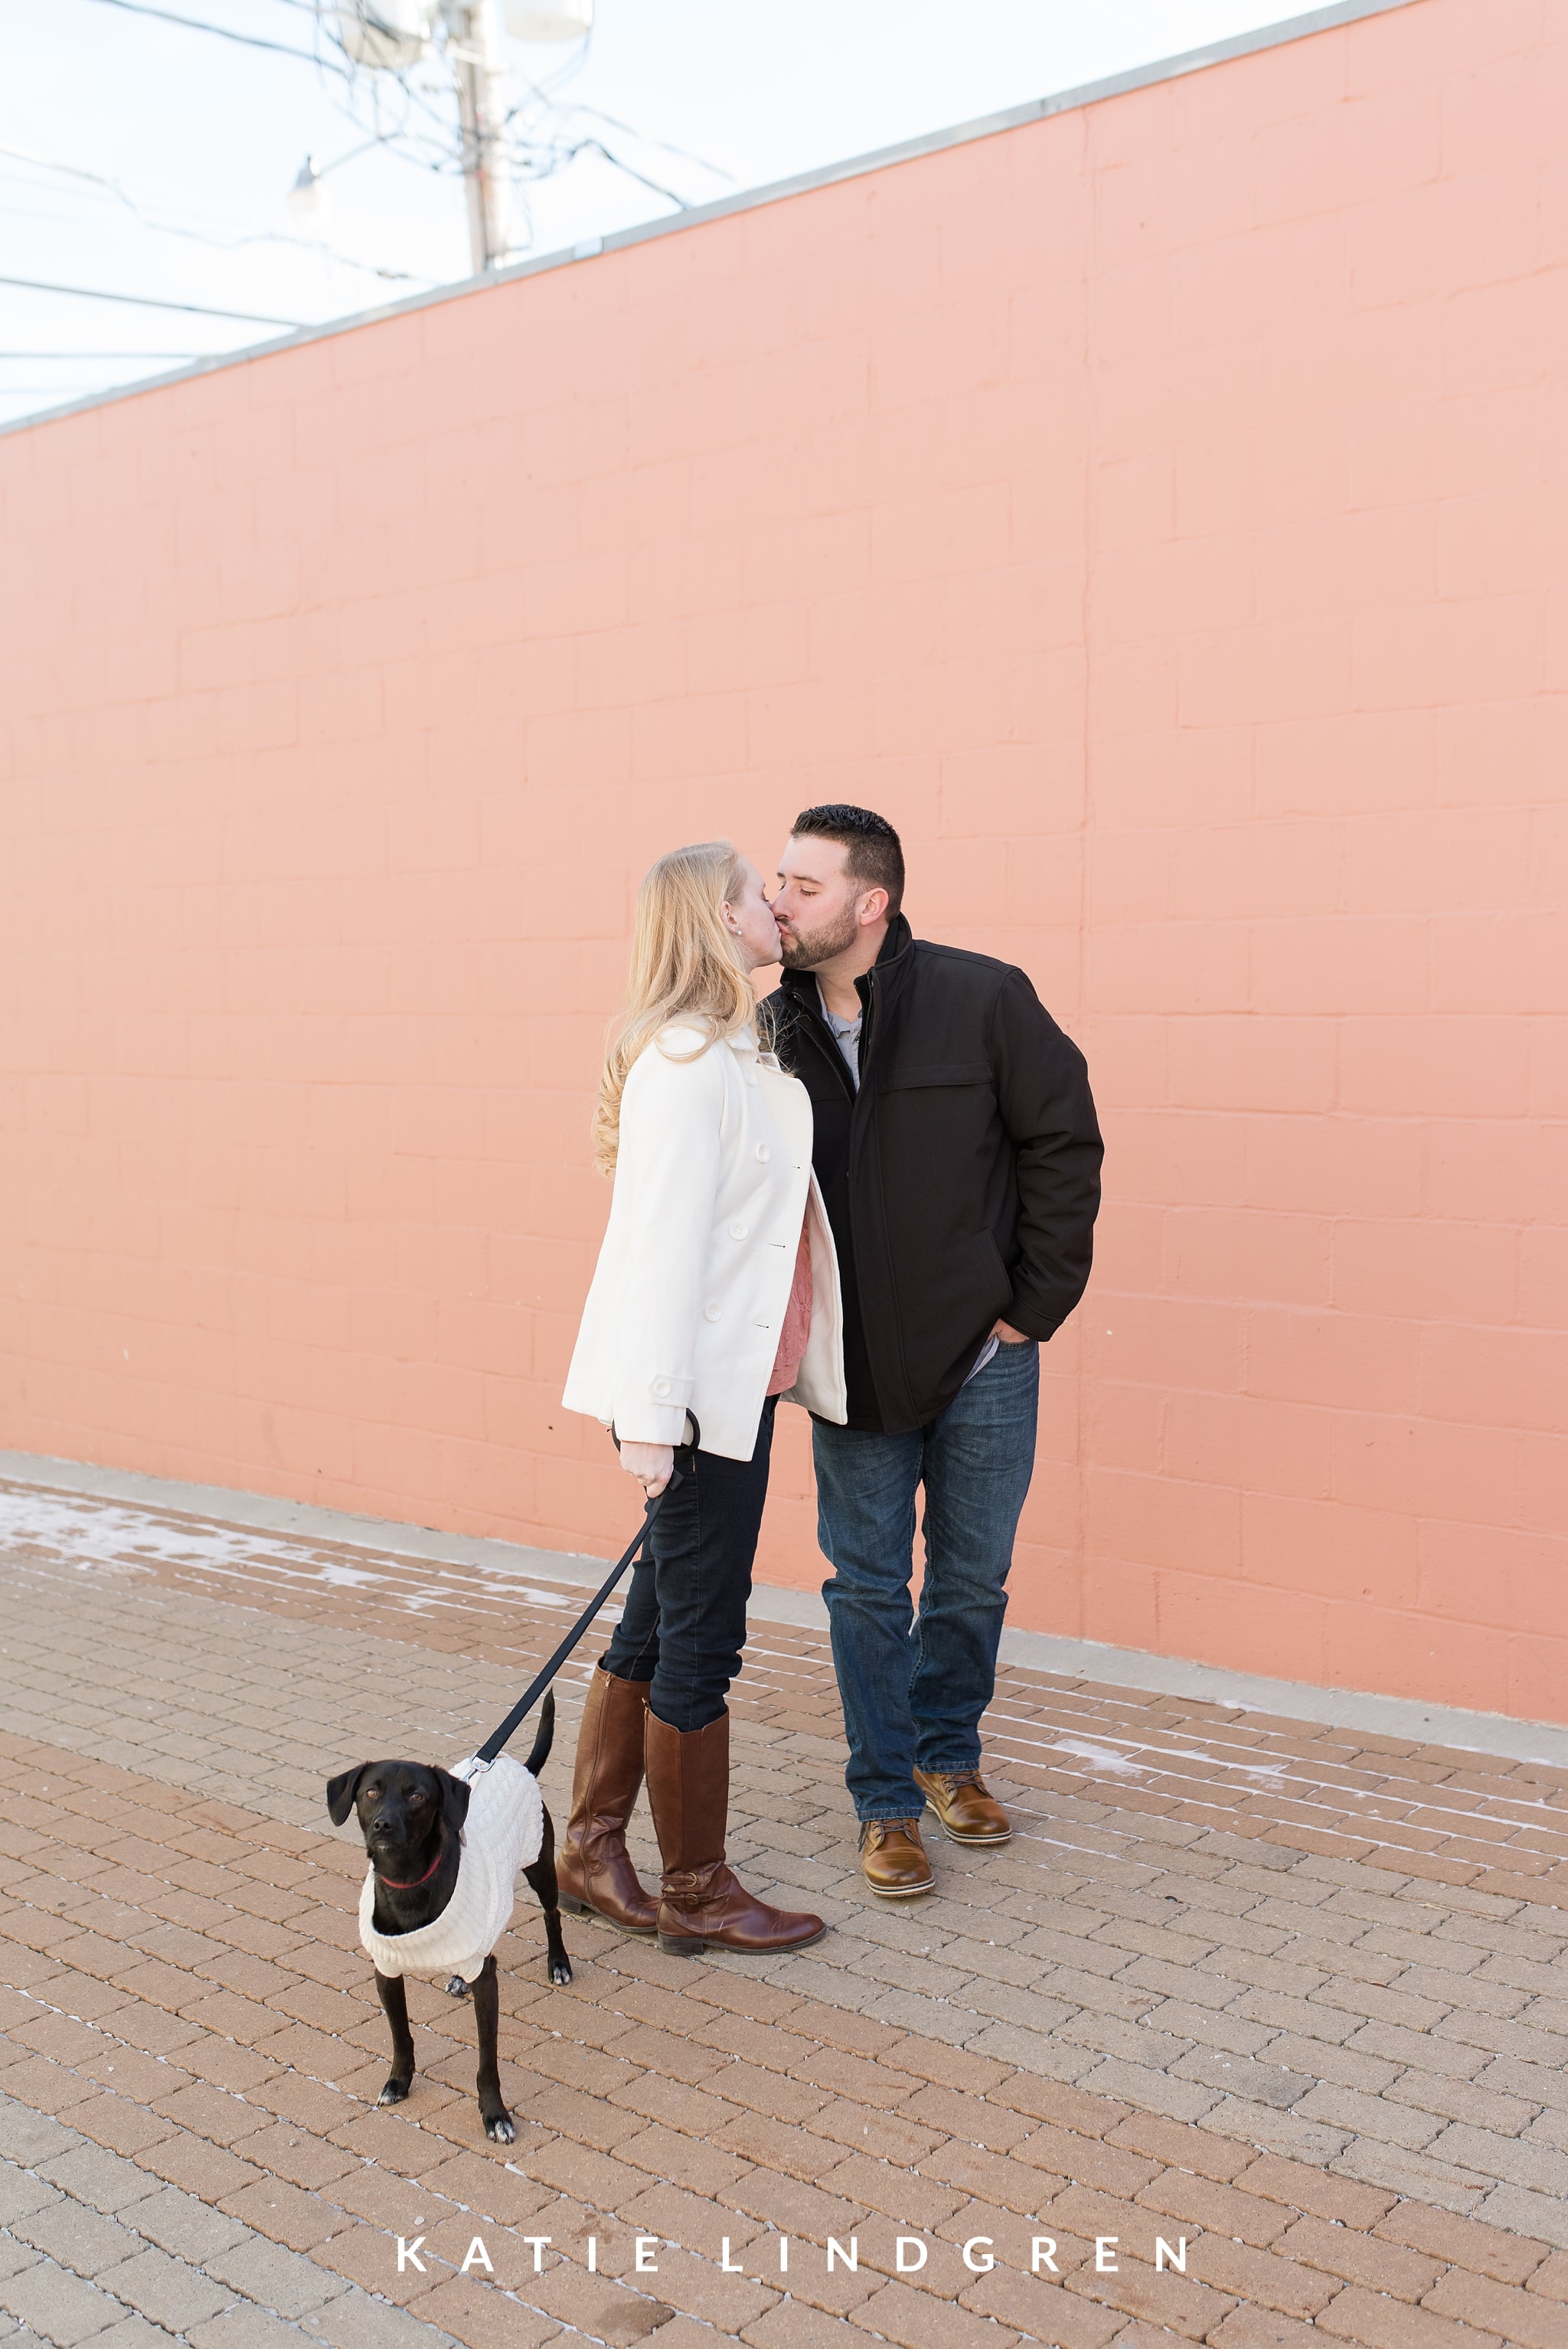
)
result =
(1104, 1757)
(1116, 1764)
(1223, 1762)
(114, 1538)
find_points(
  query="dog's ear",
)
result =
(341, 1792)
(455, 1795)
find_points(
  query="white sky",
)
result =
(205, 137)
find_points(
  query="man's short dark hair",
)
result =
(876, 852)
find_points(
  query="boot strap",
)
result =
(693, 1883)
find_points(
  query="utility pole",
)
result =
(473, 45)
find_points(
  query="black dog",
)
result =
(412, 1818)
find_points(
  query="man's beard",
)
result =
(807, 950)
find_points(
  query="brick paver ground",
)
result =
(1291, 1998)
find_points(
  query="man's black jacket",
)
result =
(962, 1181)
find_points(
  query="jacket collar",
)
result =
(743, 1040)
(892, 965)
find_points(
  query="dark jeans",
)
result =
(684, 1623)
(914, 1687)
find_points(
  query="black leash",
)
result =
(537, 1686)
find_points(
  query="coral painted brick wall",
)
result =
(1158, 511)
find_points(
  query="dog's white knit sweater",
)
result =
(502, 1832)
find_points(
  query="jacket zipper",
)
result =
(827, 1044)
(826, 1041)
(857, 1134)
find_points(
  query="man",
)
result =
(958, 1154)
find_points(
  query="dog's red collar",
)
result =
(392, 1886)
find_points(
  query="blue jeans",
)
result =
(685, 1620)
(913, 1687)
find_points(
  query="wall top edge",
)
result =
(989, 126)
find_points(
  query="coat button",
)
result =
(763, 1154)
(711, 1312)
(738, 1231)
(661, 1386)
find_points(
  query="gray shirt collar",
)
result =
(846, 1034)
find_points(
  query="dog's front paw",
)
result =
(561, 1970)
(498, 2127)
(396, 2091)
(456, 1987)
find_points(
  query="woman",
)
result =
(716, 1291)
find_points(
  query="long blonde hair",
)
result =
(684, 965)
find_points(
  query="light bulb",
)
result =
(308, 200)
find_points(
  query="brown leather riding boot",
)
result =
(592, 1866)
(701, 1904)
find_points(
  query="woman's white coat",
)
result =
(712, 1178)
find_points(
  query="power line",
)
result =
(247, 40)
(646, 139)
(147, 301)
(41, 390)
(10, 357)
(539, 159)
(597, 147)
(107, 187)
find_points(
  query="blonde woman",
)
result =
(717, 1291)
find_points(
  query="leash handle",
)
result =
(541, 1679)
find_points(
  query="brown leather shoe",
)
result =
(965, 1812)
(592, 1866)
(893, 1860)
(701, 1904)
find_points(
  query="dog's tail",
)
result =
(546, 1737)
